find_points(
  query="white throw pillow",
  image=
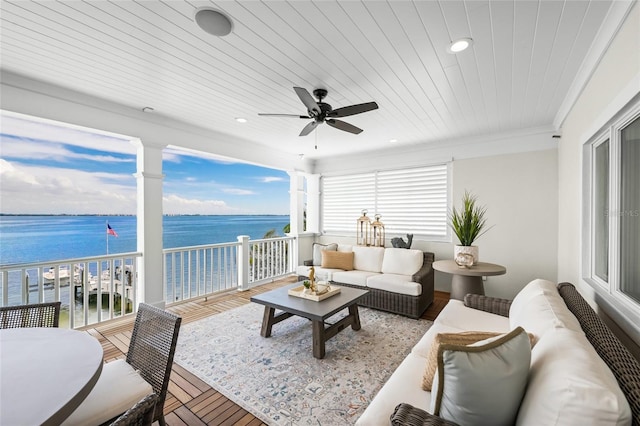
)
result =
(538, 308)
(569, 384)
(401, 261)
(483, 383)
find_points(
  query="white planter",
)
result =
(470, 250)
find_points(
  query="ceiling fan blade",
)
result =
(342, 125)
(284, 115)
(307, 100)
(353, 109)
(309, 128)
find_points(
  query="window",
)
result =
(612, 212)
(409, 201)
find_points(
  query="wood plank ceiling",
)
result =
(525, 57)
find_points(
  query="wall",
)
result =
(520, 194)
(615, 81)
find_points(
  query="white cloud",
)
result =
(269, 179)
(237, 191)
(34, 150)
(31, 128)
(174, 204)
(50, 190)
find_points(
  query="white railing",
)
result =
(198, 271)
(189, 272)
(79, 284)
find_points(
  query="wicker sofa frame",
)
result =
(623, 365)
(397, 303)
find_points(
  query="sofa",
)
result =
(550, 361)
(399, 280)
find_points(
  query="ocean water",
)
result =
(27, 239)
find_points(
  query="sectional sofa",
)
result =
(568, 370)
(399, 280)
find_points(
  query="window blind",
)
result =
(409, 201)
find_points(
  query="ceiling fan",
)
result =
(321, 112)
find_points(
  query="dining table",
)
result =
(45, 373)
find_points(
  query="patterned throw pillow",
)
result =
(337, 260)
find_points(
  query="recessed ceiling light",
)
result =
(241, 120)
(459, 45)
(213, 21)
(393, 140)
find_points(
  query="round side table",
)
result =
(467, 280)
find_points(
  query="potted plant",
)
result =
(468, 224)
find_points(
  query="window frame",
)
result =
(624, 309)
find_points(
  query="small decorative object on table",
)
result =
(464, 260)
(324, 291)
(468, 224)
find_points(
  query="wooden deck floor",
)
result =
(190, 400)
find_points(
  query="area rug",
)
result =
(278, 380)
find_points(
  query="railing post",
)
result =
(243, 262)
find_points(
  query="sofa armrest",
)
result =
(492, 305)
(408, 415)
(425, 273)
(307, 262)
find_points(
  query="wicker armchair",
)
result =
(146, 370)
(153, 344)
(35, 315)
(140, 414)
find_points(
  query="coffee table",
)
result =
(317, 312)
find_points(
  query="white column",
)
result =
(296, 203)
(313, 203)
(149, 220)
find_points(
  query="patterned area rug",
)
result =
(278, 380)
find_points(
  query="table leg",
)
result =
(462, 284)
(267, 321)
(319, 339)
(353, 312)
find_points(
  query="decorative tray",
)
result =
(299, 292)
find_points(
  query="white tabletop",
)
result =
(45, 373)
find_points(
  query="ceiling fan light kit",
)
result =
(321, 112)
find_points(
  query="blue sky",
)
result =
(46, 168)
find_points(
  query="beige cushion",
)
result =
(337, 260)
(464, 338)
(401, 261)
(538, 308)
(119, 388)
(569, 384)
(395, 283)
(318, 249)
(354, 277)
(402, 386)
(482, 383)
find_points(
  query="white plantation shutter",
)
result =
(343, 199)
(410, 201)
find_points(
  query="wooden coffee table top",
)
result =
(317, 311)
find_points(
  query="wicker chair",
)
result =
(140, 414)
(153, 344)
(145, 370)
(35, 315)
